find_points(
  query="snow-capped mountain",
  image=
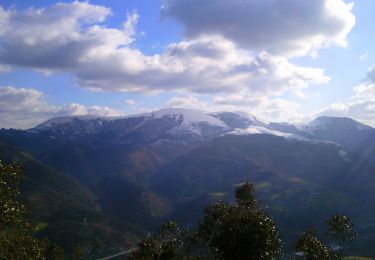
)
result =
(264, 130)
(173, 122)
(173, 158)
(347, 132)
(200, 125)
(187, 116)
(326, 123)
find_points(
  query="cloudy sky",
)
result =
(283, 60)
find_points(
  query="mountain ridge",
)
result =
(148, 168)
(200, 125)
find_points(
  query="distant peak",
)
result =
(325, 122)
(333, 120)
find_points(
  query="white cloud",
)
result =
(71, 38)
(237, 51)
(361, 105)
(27, 107)
(75, 109)
(364, 91)
(289, 27)
(4, 68)
(363, 56)
(130, 102)
(187, 102)
(23, 99)
(102, 111)
(131, 23)
(206, 65)
(58, 37)
(361, 110)
(271, 109)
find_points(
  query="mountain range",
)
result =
(129, 174)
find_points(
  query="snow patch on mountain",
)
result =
(320, 123)
(343, 153)
(263, 130)
(68, 119)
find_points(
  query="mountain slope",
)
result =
(347, 132)
(302, 183)
(59, 205)
(319, 163)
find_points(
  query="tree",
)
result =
(171, 242)
(311, 248)
(341, 231)
(16, 234)
(240, 231)
(78, 252)
(55, 252)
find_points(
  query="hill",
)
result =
(64, 211)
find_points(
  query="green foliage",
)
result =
(55, 252)
(245, 196)
(19, 244)
(16, 234)
(240, 231)
(341, 231)
(311, 247)
(78, 252)
(11, 210)
(171, 242)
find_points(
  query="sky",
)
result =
(281, 60)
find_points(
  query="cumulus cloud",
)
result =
(271, 109)
(286, 27)
(13, 100)
(187, 102)
(236, 51)
(53, 37)
(75, 109)
(27, 107)
(360, 106)
(205, 65)
(130, 102)
(238, 100)
(72, 38)
(362, 110)
(364, 91)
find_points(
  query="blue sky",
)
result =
(281, 60)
